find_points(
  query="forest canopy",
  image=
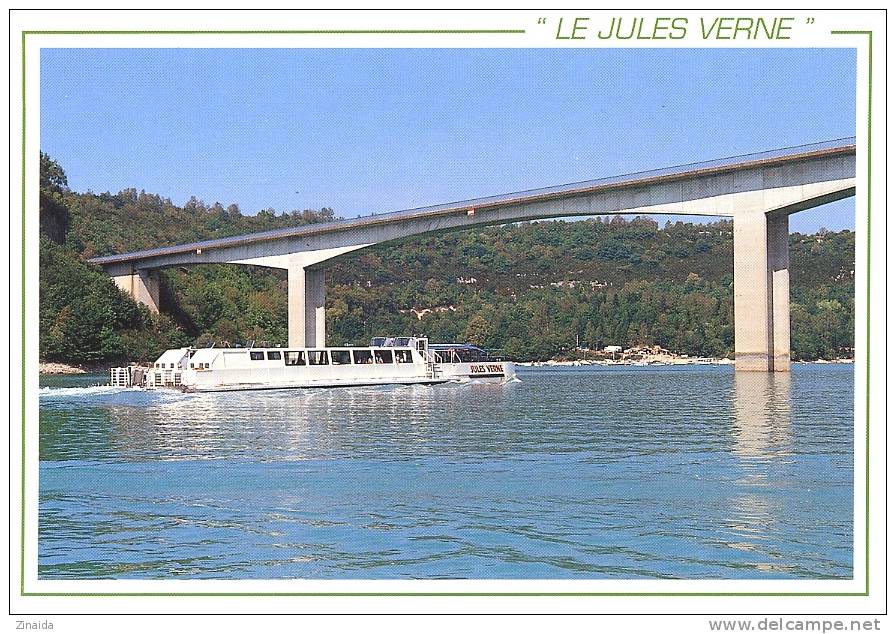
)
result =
(531, 289)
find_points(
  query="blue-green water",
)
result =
(689, 472)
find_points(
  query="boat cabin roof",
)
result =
(454, 346)
(174, 355)
(208, 355)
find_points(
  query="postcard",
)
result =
(449, 312)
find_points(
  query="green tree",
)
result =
(54, 213)
(478, 331)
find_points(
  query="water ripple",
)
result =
(571, 473)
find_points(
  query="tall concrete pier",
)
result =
(758, 191)
(307, 315)
(761, 292)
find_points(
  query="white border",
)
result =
(818, 36)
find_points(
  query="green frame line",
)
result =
(22, 592)
(870, 35)
(299, 32)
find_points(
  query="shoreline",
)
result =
(654, 363)
(66, 369)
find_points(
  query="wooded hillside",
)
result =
(528, 289)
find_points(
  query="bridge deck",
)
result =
(692, 170)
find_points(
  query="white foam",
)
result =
(92, 390)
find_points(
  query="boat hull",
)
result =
(491, 371)
(305, 385)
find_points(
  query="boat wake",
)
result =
(77, 392)
(105, 393)
(474, 381)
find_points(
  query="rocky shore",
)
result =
(47, 367)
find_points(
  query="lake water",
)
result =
(671, 472)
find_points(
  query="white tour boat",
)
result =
(387, 361)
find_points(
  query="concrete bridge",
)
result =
(759, 191)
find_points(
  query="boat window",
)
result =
(274, 355)
(295, 357)
(363, 356)
(207, 366)
(377, 342)
(402, 341)
(472, 354)
(318, 357)
(382, 356)
(256, 356)
(341, 357)
(404, 356)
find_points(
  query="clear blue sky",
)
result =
(372, 130)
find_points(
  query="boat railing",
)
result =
(120, 377)
(127, 376)
(444, 356)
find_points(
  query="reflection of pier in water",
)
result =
(762, 435)
(762, 414)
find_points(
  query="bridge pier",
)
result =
(761, 292)
(307, 294)
(142, 285)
